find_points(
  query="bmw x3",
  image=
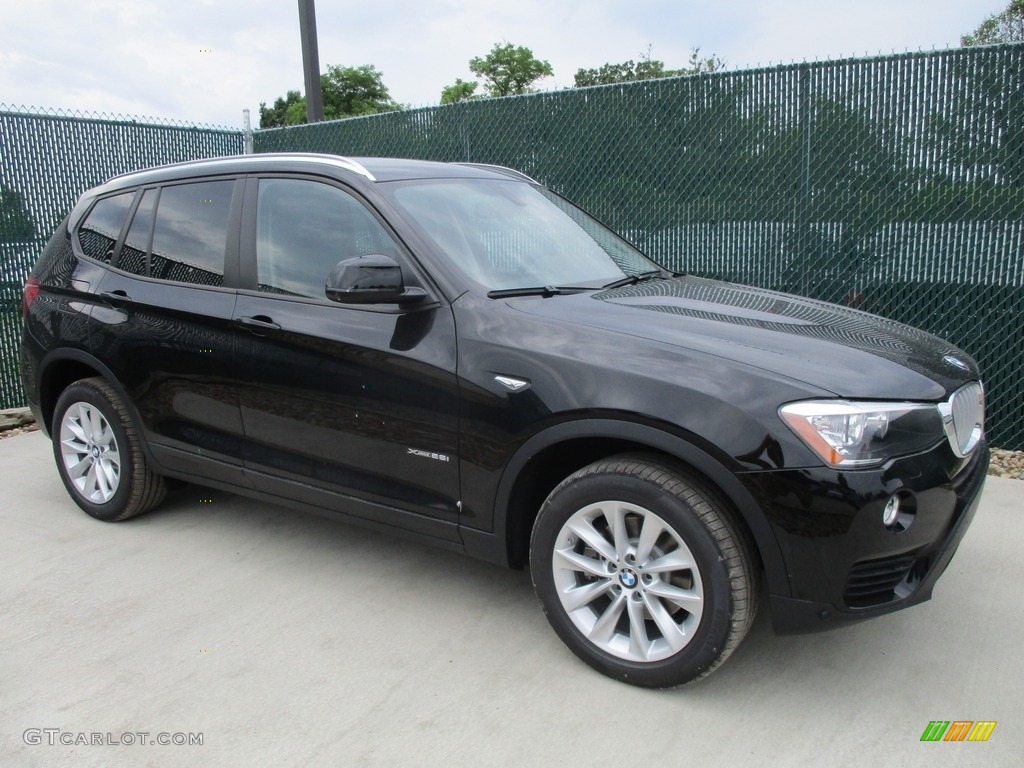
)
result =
(454, 353)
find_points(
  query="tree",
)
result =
(1005, 27)
(15, 224)
(457, 91)
(626, 72)
(347, 92)
(646, 69)
(509, 69)
(703, 65)
(350, 91)
(279, 114)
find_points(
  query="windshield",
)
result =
(508, 234)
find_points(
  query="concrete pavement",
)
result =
(289, 640)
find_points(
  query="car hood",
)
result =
(843, 351)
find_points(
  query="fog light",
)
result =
(891, 513)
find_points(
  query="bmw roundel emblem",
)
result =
(956, 362)
(628, 578)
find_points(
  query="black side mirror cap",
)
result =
(371, 279)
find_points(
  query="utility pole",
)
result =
(311, 62)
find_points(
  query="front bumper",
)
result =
(843, 563)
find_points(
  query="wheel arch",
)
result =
(550, 456)
(63, 367)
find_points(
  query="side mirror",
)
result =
(372, 279)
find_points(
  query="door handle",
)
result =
(117, 297)
(258, 324)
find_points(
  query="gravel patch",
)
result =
(18, 430)
(1007, 464)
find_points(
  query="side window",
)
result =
(101, 228)
(304, 228)
(136, 243)
(190, 232)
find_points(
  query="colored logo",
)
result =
(958, 730)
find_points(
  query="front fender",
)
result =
(493, 546)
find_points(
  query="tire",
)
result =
(99, 453)
(643, 572)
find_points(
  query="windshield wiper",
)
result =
(540, 290)
(634, 279)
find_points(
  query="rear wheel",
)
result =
(643, 572)
(99, 454)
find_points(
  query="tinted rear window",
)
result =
(190, 234)
(101, 228)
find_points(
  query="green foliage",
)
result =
(626, 72)
(350, 91)
(347, 92)
(15, 224)
(1005, 27)
(271, 117)
(646, 69)
(703, 64)
(509, 70)
(457, 91)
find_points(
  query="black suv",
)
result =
(455, 353)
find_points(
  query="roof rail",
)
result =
(505, 171)
(342, 162)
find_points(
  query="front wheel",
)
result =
(643, 572)
(99, 454)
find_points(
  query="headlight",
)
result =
(851, 434)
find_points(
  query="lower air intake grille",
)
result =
(873, 582)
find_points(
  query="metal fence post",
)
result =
(246, 133)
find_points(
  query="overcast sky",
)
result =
(206, 60)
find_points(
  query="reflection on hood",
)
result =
(769, 311)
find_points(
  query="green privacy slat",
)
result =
(46, 161)
(894, 184)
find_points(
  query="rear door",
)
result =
(164, 324)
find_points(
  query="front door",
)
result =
(354, 408)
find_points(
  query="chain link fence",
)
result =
(892, 184)
(47, 159)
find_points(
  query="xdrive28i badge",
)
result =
(428, 454)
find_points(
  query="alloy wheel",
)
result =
(90, 452)
(628, 581)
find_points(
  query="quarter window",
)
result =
(101, 228)
(190, 233)
(304, 228)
